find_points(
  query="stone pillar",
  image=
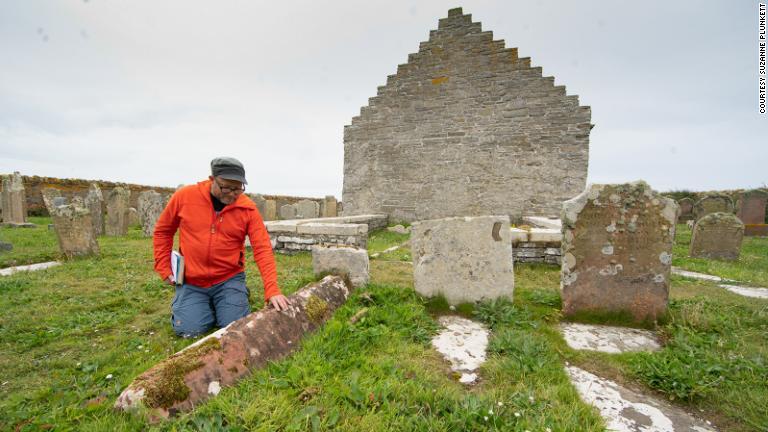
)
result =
(151, 204)
(14, 199)
(617, 251)
(94, 201)
(717, 236)
(118, 211)
(74, 229)
(464, 259)
(329, 206)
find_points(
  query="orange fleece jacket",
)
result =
(213, 246)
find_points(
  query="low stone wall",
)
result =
(536, 245)
(291, 236)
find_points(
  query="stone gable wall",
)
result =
(466, 127)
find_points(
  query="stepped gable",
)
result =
(466, 127)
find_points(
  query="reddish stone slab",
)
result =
(752, 207)
(756, 230)
(200, 371)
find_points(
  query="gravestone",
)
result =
(261, 203)
(344, 261)
(270, 210)
(686, 209)
(94, 201)
(751, 211)
(133, 217)
(306, 209)
(74, 229)
(151, 204)
(464, 259)
(59, 201)
(14, 199)
(617, 251)
(718, 236)
(288, 211)
(118, 211)
(329, 206)
(465, 127)
(50, 200)
(712, 204)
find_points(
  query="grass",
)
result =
(65, 330)
(30, 245)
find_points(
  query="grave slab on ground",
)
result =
(694, 275)
(747, 291)
(31, 267)
(222, 358)
(625, 410)
(608, 339)
(464, 259)
(463, 343)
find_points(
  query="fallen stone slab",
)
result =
(201, 370)
(627, 411)
(608, 339)
(694, 275)
(31, 267)
(747, 291)
(463, 343)
(19, 225)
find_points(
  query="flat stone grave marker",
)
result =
(617, 251)
(608, 339)
(463, 343)
(717, 236)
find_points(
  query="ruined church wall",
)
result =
(466, 127)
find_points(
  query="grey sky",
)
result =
(149, 91)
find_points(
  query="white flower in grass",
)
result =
(109, 377)
(517, 414)
(485, 418)
(500, 403)
(490, 412)
(547, 430)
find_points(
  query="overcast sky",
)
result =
(148, 91)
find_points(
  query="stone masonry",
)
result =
(14, 201)
(464, 259)
(465, 128)
(617, 251)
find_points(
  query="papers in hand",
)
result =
(177, 267)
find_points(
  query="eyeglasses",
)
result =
(234, 190)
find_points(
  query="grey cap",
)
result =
(228, 168)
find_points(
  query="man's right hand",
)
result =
(170, 280)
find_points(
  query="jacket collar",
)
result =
(242, 201)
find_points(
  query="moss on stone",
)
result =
(316, 309)
(165, 385)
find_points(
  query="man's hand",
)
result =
(279, 302)
(169, 280)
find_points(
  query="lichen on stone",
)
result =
(316, 309)
(165, 385)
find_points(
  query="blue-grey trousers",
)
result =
(196, 310)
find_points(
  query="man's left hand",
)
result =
(279, 302)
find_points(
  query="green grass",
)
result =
(30, 245)
(382, 239)
(65, 329)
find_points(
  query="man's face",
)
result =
(225, 190)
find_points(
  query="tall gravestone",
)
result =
(751, 211)
(686, 209)
(94, 201)
(617, 251)
(151, 204)
(270, 210)
(260, 202)
(118, 208)
(464, 259)
(717, 236)
(712, 204)
(14, 199)
(74, 229)
(466, 127)
(307, 209)
(330, 206)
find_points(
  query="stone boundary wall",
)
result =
(291, 236)
(79, 187)
(536, 245)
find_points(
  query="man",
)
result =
(213, 217)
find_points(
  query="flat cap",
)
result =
(228, 168)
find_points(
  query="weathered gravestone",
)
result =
(74, 229)
(151, 204)
(751, 211)
(270, 210)
(50, 200)
(712, 204)
(718, 236)
(94, 201)
(343, 261)
(219, 360)
(617, 251)
(329, 206)
(118, 209)
(261, 203)
(288, 211)
(464, 259)
(307, 209)
(133, 217)
(14, 199)
(686, 209)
